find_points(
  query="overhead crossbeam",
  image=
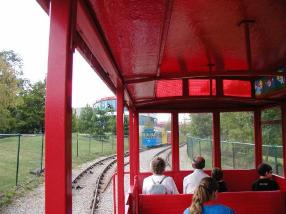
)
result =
(246, 23)
(238, 74)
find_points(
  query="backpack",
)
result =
(158, 188)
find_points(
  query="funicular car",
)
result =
(175, 56)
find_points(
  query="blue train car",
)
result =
(151, 137)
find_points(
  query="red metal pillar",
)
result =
(216, 140)
(257, 137)
(120, 149)
(175, 142)
(283, 111)
(131, 146)
(58, 189)
(136, 143)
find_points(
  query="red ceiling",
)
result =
(143, 42)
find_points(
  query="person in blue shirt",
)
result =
(206, 192)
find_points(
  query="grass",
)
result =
(30, 160)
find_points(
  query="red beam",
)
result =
(58, 108)
(45, 4)
(93, 62)
(239, 74)
(283, 111)
(175, 143)
(120, 149)
(164, 34)
(257, 137)
(131, 146)
(94, 39)
(246, 23)
(216, 140)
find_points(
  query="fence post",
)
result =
(101, 144)
(42, 152)
(111, 140)
(233, 155)
(77, 144)
(89, 145)
(200, 149)
(18, 153)
(276, 162)
(192, 143)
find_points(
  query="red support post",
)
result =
(131, 146)
(283, 111)
(257, 137)
(175, 143)
(120, 149)
(136, 143)
(58, 169)
(216, 140)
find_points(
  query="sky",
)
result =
(25, 29)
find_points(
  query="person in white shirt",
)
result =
(166, 183)
(191, 181)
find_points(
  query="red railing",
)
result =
(132, 198)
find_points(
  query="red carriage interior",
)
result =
(166, 56)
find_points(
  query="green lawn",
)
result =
(30, 159)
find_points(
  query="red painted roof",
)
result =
(157, 49)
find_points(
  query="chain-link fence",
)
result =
(237, 155)
(22, 156)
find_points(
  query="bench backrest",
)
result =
(241, 202)
(237, 180)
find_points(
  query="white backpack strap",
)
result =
(163, 179)
(153, 180)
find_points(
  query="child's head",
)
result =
(265, 170)
(158, 166)
(205, 192)
(217, 174)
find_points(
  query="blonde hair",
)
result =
(203, 193)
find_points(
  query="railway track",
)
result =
(93, 180)
(102, 172)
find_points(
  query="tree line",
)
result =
(237, 126)
(96, 121)
(22, 103)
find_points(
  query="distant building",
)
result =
(149, 119)
(106, 103)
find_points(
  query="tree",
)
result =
(30, 114)
(11, 86)
(237, 126)
(126, 125)
(85, 123)
(74, 121)
(100, 119)
(201, 125)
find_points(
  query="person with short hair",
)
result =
(265, 182)
(206, 191)
(217, 174)
(158, 183)
(192, 180)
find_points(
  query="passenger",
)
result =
(205, 192)
(265, 182)
(217, 174)
(158, 183)
(192, 180)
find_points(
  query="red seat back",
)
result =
(241, 202)
(237, 180)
